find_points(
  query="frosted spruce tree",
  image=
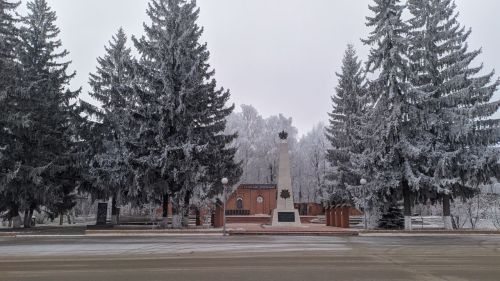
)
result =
(344, 129)
(386, 162)
(454, 106)
(47, 172)
(9, 39)
(112, 86)
(180, 114)
(9, 70)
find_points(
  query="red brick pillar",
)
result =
(345, 216)
(338, 216)
(221, 216)
(198, 217)
(218, 217)
(327, 216)
(332, 215)
(331, 210)
(169, 209)
(203, 215)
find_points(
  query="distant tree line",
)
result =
(257, 151)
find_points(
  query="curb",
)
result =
(149, 234)
(292, 233)
(8, 234)
(48, 235)
(103, 233)
(427, 233)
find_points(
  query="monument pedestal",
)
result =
(286, 217)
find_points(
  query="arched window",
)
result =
(239, 203)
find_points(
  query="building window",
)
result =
(239, 203)
(260, 199)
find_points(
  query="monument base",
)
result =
(286, 217)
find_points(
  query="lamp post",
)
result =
(363, 183)
(224, 182)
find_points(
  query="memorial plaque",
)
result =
(286, 216)
(102, 213)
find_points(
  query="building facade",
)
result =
(261, 199)
(251, 200)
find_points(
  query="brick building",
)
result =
(252, 199)
(260, 199)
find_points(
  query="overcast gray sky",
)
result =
(277, 55)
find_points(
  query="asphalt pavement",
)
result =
(250, 258)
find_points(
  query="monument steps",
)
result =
(303, 230)
(295, 233)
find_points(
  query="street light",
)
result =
(224, 182)
(363, 183)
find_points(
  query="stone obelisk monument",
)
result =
(285, 214)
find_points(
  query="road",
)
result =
(250, 258)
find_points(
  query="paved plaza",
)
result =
(303, 229)
(250, 258)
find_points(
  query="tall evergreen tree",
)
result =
(343, 132)
(453, 101)
(45, 141)
(386, 161)
(179, 113)
(9, 70)
(112, 87)
(8, 41)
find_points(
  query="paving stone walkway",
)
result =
(305, 229)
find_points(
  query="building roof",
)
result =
(257, 186)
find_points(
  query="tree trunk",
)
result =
(15, 217)
(165, 203)
(198, 217)
(16, 221)
(454, 222)
(31, 223)
(27, 219)
(185, 209)
(407, 204)
(176, 215)
(61, 218)
(447, 212)
(28, 214)
(32, 210)
(115, 212)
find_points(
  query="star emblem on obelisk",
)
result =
(283, 135)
